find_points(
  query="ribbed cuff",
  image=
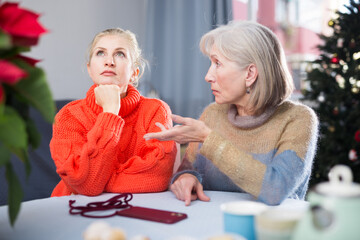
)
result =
(110, 121)
(192, 172)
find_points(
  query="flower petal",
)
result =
(1, 94)
(20, 23)
(10, 73)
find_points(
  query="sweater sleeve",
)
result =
(85, 158)
(150, 168)
(271, 176)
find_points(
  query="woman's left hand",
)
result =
(190, 130)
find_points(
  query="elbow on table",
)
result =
(273, 198)
(90, 191)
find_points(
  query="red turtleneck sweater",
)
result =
(97, 152)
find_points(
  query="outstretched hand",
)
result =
(188, 188)
(189, 130)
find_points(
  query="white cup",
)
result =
(277, 224)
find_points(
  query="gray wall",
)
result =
(72, 24)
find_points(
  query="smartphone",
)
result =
(152, 214)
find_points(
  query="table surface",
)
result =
(50, 219)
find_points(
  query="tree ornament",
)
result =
(352, 155)
(336, 111)
(335, 59)
(355, 90)
(340, 80)
(356, 56)
(331, 129)
(340, 42)
(352, 43)
(321, 97)
(357, 136)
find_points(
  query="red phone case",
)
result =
(152, 214)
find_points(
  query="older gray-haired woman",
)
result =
(253, 138)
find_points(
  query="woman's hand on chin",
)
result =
(108, 97)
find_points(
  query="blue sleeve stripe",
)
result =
(284, 175)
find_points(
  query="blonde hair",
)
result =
(137, 60)
(245, 43)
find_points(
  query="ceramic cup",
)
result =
(277, 224)
(239, 217)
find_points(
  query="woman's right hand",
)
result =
(108, 97)
(188, 188)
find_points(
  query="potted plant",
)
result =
(22, 85)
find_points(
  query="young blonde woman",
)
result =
(97, 142)
(253, 138)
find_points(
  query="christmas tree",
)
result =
(334, 91)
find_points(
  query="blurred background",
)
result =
(169, 31)
(327, 78)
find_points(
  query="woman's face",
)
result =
(227, 80)
(110, 62)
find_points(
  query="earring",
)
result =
(248, 90)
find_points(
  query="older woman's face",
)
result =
(110, 62)
(227, 80)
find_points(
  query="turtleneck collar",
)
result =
(248, 121)
(128, 103)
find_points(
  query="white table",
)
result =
(49, 218)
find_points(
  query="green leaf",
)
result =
(15, 193)
(13, 129)
(4, 154)
(5, 41)
(36, 91)
(33, 134)
(23, 154)
(13, 51)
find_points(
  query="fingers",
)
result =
(162, 127)
(164, 135)
(200, 193)
(178, 119)
(187, 188)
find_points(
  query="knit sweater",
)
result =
(269, 156)
(96, 151)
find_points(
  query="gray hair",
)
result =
(137, 60)
(245, 43)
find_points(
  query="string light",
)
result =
(341, 81)
(352, 80)
(356, 56)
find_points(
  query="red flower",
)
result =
(1, 94)
(21, 24)
(10, 73)
(357, 136)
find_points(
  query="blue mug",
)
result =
(239, 217)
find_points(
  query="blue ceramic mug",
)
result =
(239, 217)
